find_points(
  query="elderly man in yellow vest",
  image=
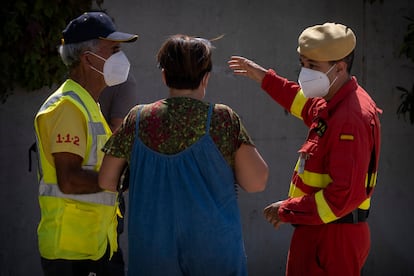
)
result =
(77, 231)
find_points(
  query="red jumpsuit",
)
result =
(334, 176)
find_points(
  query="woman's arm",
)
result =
(110, 172)
(251, 170)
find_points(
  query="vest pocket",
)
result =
(79, 232)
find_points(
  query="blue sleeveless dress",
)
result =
(183, 212)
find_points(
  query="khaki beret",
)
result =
(327, 42)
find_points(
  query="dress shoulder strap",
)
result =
(210, 112)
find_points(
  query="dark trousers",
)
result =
(117, 264)
(62, 267)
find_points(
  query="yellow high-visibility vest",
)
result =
(75, 227)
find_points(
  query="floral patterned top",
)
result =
(171, 125)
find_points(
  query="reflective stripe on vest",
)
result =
(95, 129)
(104, 198)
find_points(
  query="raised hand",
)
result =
(245, 67)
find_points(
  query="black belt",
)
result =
(355, 216)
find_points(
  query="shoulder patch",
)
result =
(348, 137)
(321, 128)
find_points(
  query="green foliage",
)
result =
(407, 104)
(407, 47)
(30, 34)
(407, 97)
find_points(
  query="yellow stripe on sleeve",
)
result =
(324, 211)
(294, 191)
(298, 104)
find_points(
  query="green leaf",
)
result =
(29, 33)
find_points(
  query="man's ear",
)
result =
(85, 58)
(341, 67)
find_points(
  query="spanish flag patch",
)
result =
(348, 137)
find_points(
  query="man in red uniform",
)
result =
(333, 180)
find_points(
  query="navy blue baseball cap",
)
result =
(94, 25)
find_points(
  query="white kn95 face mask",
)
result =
(314, 83)
(116, 68)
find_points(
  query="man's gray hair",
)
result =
(71, 53)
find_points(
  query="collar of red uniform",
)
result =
(323, 108)
(343, 92)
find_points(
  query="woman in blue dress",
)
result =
(187, 157)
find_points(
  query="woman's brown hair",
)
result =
(185, 60)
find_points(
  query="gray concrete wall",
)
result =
(265, 31)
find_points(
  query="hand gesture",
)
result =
(245, 67)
